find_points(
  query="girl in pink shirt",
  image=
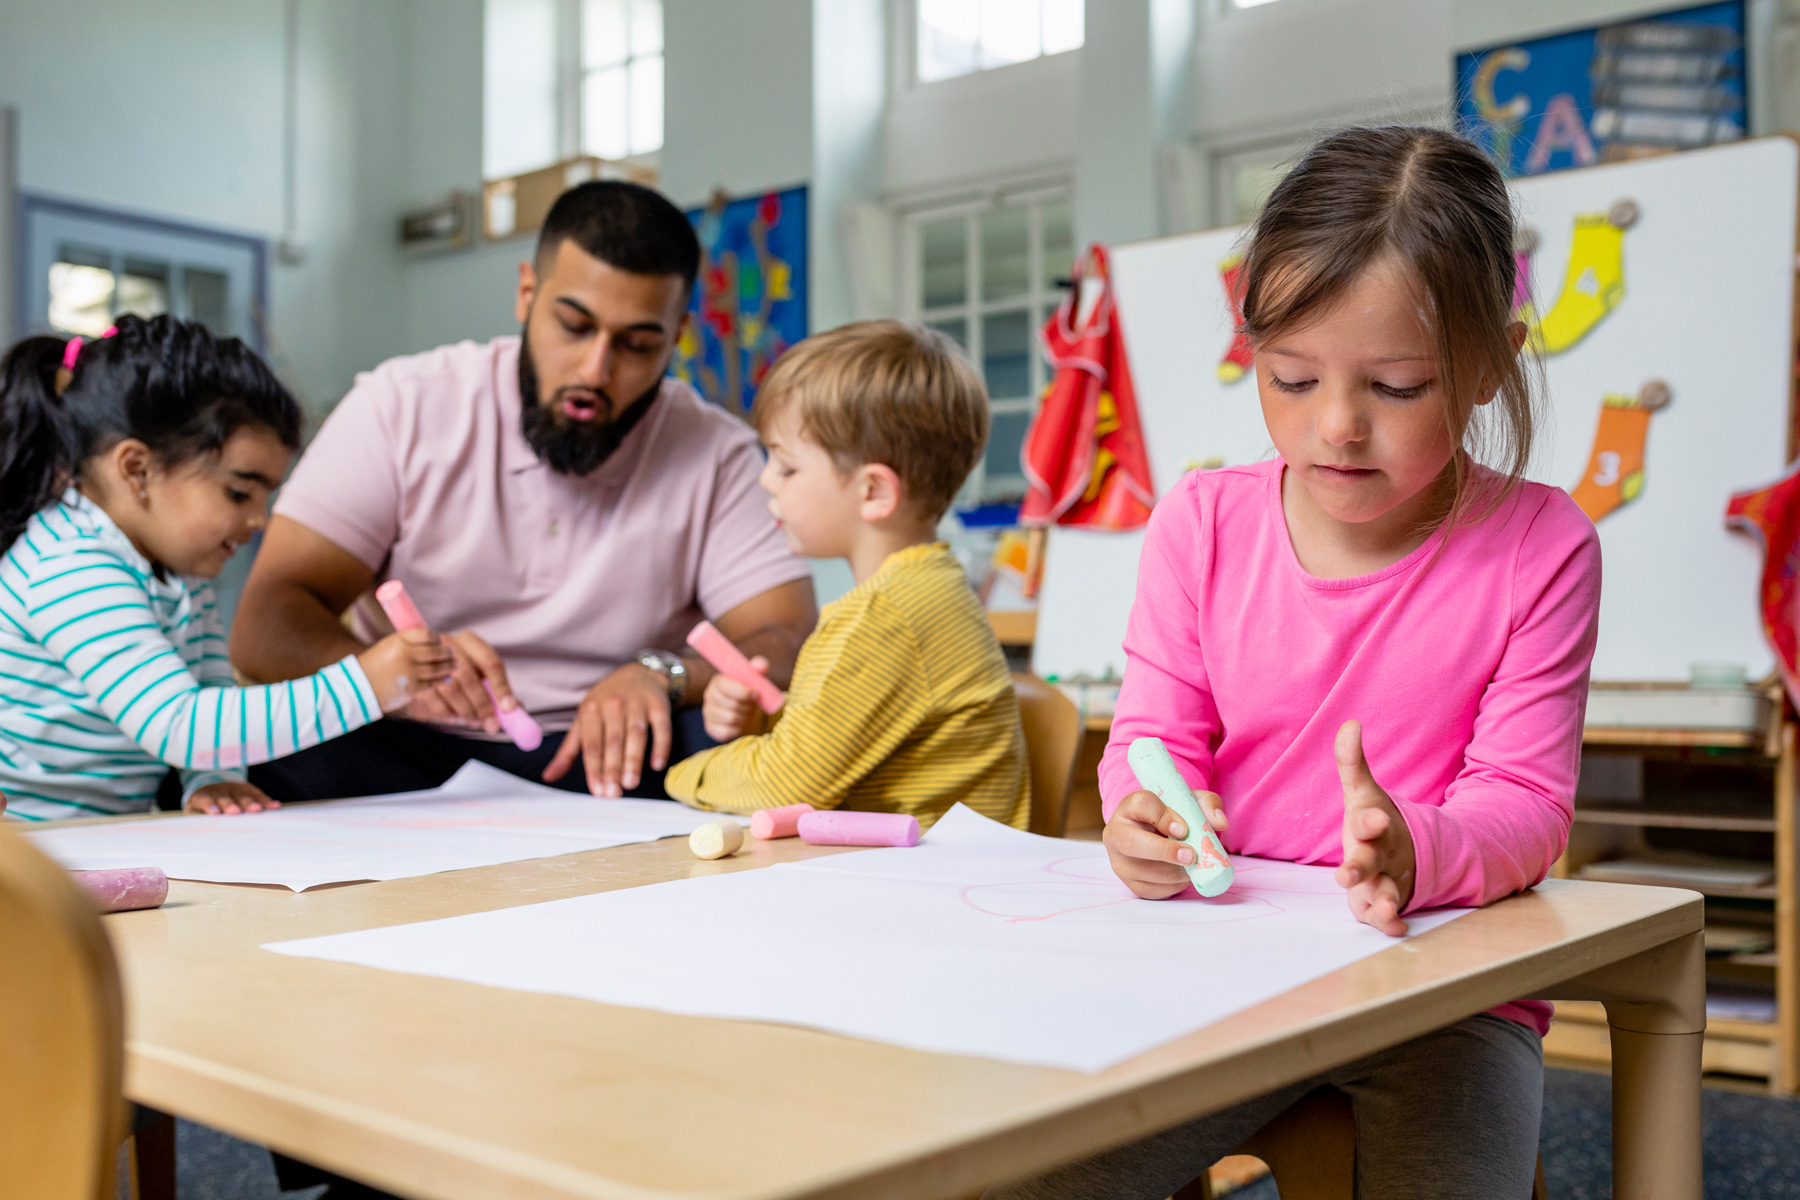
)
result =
(1371, 652)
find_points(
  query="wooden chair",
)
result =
(62, 1044)
(1052, 740)
(1311, 1151)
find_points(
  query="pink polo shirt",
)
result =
(1466, 662)
(423, 474)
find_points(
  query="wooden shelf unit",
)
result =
(1765, 761)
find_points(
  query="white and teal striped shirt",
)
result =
(109, 676)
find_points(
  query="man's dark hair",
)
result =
(625, 225)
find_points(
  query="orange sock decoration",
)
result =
(1084, 454)
(1615, 467)
(1772, 514)
(1239, 358)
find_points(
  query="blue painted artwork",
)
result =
(749, 303)
(1672, 81)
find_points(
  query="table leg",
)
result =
(1656, 1007)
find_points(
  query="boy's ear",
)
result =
(881, 492)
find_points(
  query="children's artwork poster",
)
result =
(1673, 81)
(749, 303)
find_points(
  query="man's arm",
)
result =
(289, 623)
(628, 711)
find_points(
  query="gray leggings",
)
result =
(1452, 1115)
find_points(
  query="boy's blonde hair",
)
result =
(885, 392)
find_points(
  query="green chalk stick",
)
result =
(1211, 869)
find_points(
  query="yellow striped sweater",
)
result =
(901, 702)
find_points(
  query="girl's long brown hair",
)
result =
(1434, 203)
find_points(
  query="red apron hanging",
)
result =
(1772, 514)
(1084, 455)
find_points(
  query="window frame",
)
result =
(571, 78)
(904, 60)
(1038, 301)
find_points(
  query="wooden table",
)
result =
(452, 1091)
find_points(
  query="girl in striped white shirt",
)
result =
(131, 467)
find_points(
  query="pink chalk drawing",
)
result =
(1087, 892)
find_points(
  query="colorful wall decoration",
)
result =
(749, 303)
(1672, 81)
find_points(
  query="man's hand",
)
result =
(1143, 842)
(730, 709)
(460, 699)
(230, 798)
(616, 718)
(1377, 872)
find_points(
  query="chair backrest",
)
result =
(1052, 740)
(62, 1034)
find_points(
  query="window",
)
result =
(568, 77)
(989, 277)
(957, 37)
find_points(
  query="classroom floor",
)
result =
(1752, 1149)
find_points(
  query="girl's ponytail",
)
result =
(38, 443)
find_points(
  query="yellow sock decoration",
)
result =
(1594, 283)
(1615, 467)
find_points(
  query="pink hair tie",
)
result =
(72, 350)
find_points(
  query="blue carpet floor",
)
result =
(1752, 1149)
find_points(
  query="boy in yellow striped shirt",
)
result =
(901, 700)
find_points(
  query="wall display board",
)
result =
(749, 303)
(1672, 81)
(1661, 292)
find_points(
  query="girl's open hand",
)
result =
(1377, 872)
(230, 798)
(1143, 841)
(729, 709)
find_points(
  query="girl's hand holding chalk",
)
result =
(728, 660)
(729, 709)
(468, 691)
(1205, 860)
(404, 664)
(1378, 871)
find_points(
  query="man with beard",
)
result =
(557, 505)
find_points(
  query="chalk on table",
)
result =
(515, 722)
(783, 822)
(126, 888)
(1211, 869)
(730, 662)
(716, 839)
(859, 829)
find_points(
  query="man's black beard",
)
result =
(571, 449)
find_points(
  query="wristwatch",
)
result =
(670, 667)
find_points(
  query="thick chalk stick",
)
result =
(125, 889)
(1211, 869)
(516, 723)
(716, 839)
(729, 661)
(399, 606)
(859, 829)
(784, 822)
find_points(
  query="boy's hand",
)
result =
(230, 798)
(1143, 841)
(729, 709)
(403, 664)
(1377, 872)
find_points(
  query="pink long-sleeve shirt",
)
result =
(1466, 662)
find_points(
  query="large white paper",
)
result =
(482, 816)
(981, 940)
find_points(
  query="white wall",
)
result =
(175, 110)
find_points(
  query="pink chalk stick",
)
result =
(784, 822)
(516, 723)
(717, 649)
(125, 889)
(859, 829)
(399, 606)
